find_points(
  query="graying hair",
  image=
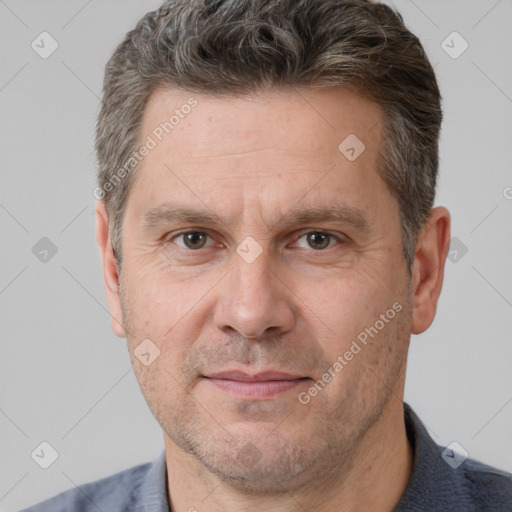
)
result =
(237, 47)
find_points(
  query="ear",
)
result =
(110, 274)
(428, 268)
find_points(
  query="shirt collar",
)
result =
(433, 484)
(153, 495)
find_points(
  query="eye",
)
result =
(319, 240)
(192, 240)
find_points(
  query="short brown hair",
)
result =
(238, 47)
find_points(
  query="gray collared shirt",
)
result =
(435, 486)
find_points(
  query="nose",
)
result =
(253, 299)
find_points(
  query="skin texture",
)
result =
(296, 308)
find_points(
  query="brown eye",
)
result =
(193, 239)
(318, 240)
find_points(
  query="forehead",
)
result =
(269, 148)
(276, 119)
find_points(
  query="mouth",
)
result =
(259, 386)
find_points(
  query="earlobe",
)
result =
(428, 268)
(110, 271)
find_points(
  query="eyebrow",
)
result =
(167, 213)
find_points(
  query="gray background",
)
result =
(65, 378)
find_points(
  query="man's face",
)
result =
(250, 310)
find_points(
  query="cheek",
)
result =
(159, 301)
(172, 313)
(160, 385)
(367, 339)
(344, 305)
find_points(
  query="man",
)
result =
(267, 173)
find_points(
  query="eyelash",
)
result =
(300, 235)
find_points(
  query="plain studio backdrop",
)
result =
(66, 379)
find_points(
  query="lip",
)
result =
(259, 386)
(257, 377)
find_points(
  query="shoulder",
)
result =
(435, 484)
(490, 487)
(115, 493)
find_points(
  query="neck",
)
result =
(375, 478)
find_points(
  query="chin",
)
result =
(256, 462)
(273, 473)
